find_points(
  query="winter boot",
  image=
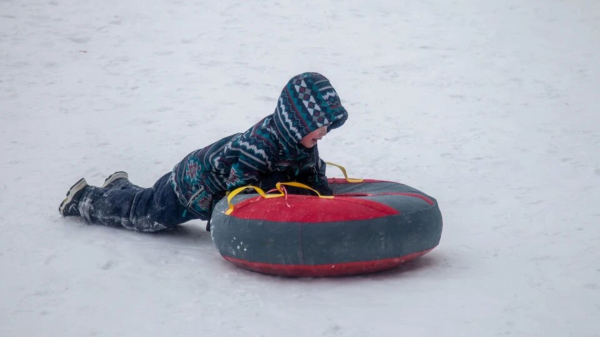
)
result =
(70, 206)
(114, 180)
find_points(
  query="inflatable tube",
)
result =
(367, 226)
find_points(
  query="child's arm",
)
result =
(250, 165)
(242, 174)
(316, 178)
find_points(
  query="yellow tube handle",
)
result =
(350, 180)
(237, 191)
(262, 193)
(297, 184)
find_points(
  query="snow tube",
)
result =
(367, 226)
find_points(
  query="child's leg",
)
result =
(124, 184)
(119, 181)
(146, 210)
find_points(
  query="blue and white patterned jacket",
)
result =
(270, 150)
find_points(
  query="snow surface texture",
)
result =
(489, 106)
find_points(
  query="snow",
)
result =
(489, 106)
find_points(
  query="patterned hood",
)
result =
(306, 103)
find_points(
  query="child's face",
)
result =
(312, 138)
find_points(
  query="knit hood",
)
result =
(306, 103)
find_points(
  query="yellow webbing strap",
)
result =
(350, 180)
(262, 193)
(296, 184)
(237, 191)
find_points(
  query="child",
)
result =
(281, 147)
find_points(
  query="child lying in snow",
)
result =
(281, 147)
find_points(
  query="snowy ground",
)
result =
(489, 106)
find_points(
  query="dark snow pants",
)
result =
(140, 209)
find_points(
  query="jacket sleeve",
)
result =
(244, 173)
(315, 176)
(250, 165)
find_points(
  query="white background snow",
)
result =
(489, 106)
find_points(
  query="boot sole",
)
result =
(115, 176)
(81, 184)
